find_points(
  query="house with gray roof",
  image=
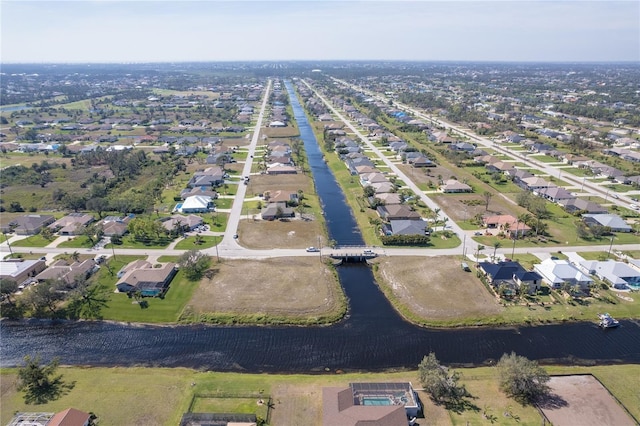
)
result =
(397, 212)
(576, 205)
(278, 210)
(72, 224)
(612, 221)
(28, 224)
(557, 272)
(20, 270)
(144, 277)
(555, 194)
(406, 227)
(619, 274)
(454, 186)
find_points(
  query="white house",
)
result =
(558, 272)
(618, 274)
(196, 204)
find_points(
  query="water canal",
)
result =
(373, 337)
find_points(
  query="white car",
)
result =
(313, 249)
(634, 206)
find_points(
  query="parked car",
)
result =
(634, 206)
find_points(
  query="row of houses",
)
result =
(557, 273)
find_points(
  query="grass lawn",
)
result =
(190, 242)
(297, 398)
(619, 187)
(121, 308)
(596, 255)
(33, 241)
(578, 172)
(545, 159)
(128, 241)
(77, 242)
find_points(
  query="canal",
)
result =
(372, 337)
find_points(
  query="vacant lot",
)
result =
(435, 289)
(294, 233)
(582, 400)
(465, 206)
(292, 287)
(261, 183)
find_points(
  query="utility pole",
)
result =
(217, 254)
(8, 243)
(610, 246)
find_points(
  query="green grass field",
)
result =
(162, 395)
(32, 241)
(76, 242)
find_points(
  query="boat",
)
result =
(607, 321)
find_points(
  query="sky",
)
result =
(105, 31)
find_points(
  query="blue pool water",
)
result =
(376, 401)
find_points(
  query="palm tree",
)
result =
(478, 250)
(496, 246)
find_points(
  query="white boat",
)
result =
(607, 321)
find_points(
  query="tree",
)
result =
(496, 246)
(45, 297)
(194, 263)
(7, 288)
(522, 379)
(439, 382)
(39, 382)
(486, 195)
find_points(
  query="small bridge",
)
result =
(353, 253)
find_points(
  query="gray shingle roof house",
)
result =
(71, 224)
(370, 404)
(397, 212)
(62, 270)
(28, 224)
(454, 186)
(613, 221)
(575, 205)
(141, 275)
(276, 211)
(408, 227)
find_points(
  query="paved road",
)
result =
(622, 201)
(230, 248)
(450, 224)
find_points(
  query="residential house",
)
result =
(357, 405)
(278, 210)
(20, 270)
(556, 194)
(612, 221)
(389, 198)
(511, 274)
(70, 417)
(209, 177)
(181, 223)
(506, 223)
(281, 196)
(29, 224)
(619, 274)
(454, 186)
(371, 178)
(462, 147)
(579, 205)
(198, 190)
(517, 175)
(115, 225)
(141, 276)
(383, 188)
(67, 272)
(72, 224)
(281, 169)
(422, 161)
(406, 227)
(499, 167)
(534, 183)
(397, 212)
(557, 272)
(196, 204)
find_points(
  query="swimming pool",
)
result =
(376, 400)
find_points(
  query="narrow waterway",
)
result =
(373, 337)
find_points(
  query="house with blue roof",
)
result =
(512, 274)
